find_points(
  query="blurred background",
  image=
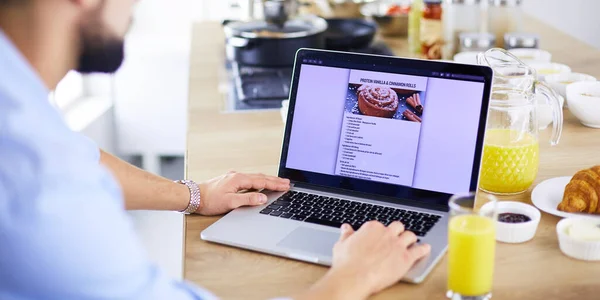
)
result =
(139, 113)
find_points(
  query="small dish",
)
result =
(584, 102)
(545, 69)
(468, 57)
(515, 232)
(559, 82)
(547, 195)
(577, 248)
(532, 55)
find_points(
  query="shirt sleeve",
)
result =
(64, 233)
(94, 150)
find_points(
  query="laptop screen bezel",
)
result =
(377, 190)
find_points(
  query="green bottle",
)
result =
(414, 26)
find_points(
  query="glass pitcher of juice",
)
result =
(471, 246)
(511, 148)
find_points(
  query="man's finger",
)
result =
(266, 184)
(280, 186)
(247, 199)
(419, 251)
(347, 231)
(260, 175)
(282, 181)
(247, 182)
(407, 238)
(372, 227)
(396, 228)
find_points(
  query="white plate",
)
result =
(547, 195)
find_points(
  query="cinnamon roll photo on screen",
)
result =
(385, 102)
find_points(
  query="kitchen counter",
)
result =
(251, 142)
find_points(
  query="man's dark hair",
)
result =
(7, 2)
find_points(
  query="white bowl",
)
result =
(515, 232)
(576, 248)
(559, 82)
(584, 102)
(545, 69)
(532, 55)
(468, 57)
(544, 111)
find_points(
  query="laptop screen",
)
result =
(414, 128)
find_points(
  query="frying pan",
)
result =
(345, 34)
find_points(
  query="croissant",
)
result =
(583, 192)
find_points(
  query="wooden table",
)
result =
(251, 142)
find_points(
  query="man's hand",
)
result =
(368, 261)
(376, 255)
(222, 194)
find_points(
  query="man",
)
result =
(63, 230)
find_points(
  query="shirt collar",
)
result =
(16, 71)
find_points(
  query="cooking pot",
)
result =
(349, 34)
(259, 43)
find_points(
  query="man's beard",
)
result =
(101, 54)
(100, 50)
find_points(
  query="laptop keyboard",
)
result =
(335, 212)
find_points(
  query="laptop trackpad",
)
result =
(310, 240)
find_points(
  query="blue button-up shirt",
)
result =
(64, 233)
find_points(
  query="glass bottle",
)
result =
(414, 26)
(504, 16)
(461, 16)
(476, 41)
(432, 30)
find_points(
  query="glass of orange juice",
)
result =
(471, 247)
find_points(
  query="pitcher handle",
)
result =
(557, 112)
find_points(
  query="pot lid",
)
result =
(293, 28)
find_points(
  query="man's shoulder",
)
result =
(20, 107)
(37, 146)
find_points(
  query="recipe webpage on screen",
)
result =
(382, 110)
(385, 127)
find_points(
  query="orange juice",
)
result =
(472, 242)
(510, 161)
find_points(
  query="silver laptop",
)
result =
(368, 138)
